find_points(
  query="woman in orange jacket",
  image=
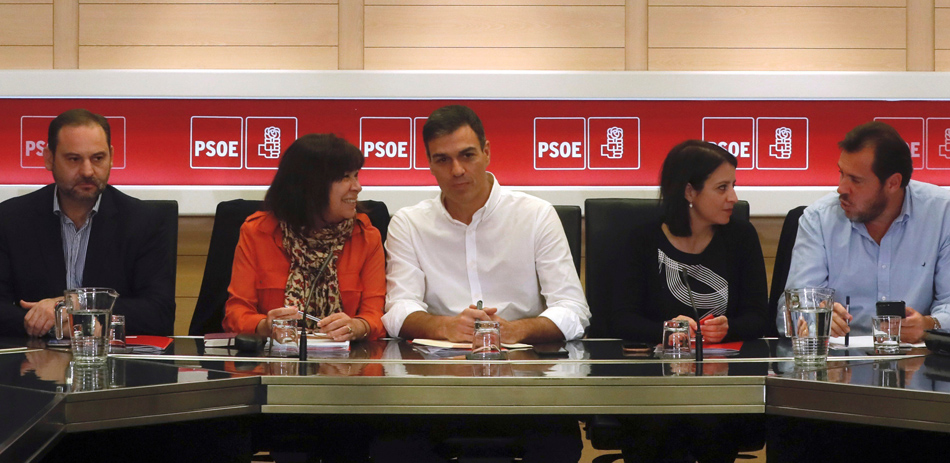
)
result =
(310, 250)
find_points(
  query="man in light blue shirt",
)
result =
(882, 237)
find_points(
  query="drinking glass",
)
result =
(676, 338)
(808, 314)
(487, 342)
(284, 331)
(886, 332)
(117, 333)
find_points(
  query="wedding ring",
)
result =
(348, 327)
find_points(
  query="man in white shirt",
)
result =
(478, 242)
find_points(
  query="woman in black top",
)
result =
(696, 238)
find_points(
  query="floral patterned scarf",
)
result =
(307, 253)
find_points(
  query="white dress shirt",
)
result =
(513, 256)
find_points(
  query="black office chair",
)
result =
(571, 221)
(228, 217)
(783, 260)
(167, 209)
(209, 310)
(609, 223)
(378, 215)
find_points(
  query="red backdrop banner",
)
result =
(533, 142)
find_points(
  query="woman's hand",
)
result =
(264, 327)
(692, 325)
(715, 329)
(340, 327)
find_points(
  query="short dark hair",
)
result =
(75, 117)
(891, 153)
(448, 119)
(688, 163)
(299, 193)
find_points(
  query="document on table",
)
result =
(464, 345)
(862, 342)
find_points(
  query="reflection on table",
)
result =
(391, 376)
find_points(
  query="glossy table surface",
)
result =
(43, 394)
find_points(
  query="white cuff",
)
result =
(566, 320)
(396, 314)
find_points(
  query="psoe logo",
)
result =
(270, 149)
(782, 149)
(613, 149)
(944, 149)
(266, 139)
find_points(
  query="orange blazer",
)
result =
(261, 267)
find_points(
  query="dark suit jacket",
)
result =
(127, 251)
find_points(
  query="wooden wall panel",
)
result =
(499, 2)
(26, 24)
(777, 27)
(220, 57)
(732, 59)
(188, 278)
(16, 57)
(637, 35)
(763, 3)
(920, 35)
(942, 28)
(194, 236)
(494, 26)
(184, 310)
(224, 24)
(65, 34)
(351, 35)
(580, 59)
(212, 2)
(26, 35)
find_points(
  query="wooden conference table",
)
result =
(43, 397)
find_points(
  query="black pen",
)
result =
(847, 308)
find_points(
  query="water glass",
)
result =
(117, 333)
(676, 338)
(487, 342)
(284, 331)
(886, 332)
(808, 313)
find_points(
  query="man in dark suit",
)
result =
(82, 232)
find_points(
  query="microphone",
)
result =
(303, 318)
(684, 274)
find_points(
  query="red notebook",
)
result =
(161, 342)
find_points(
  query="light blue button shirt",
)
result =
(75, 242)
(911, 264)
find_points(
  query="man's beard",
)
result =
(78, 195)
(873, 210)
